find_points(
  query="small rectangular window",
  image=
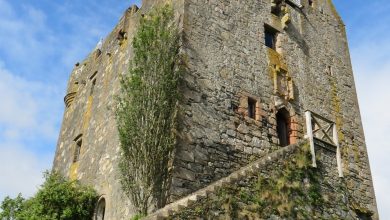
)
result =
(270, 37)
(93, 79)
(79, 143)
(252, 108)
(93, 86)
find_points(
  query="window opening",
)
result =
(79, 143)
(93, 86)
(270, 37)
(363, 216)
(122, 36)
(93, 78)
(329, 71)
(283, 127)
(276, 7)
(311, 3)
(251, 108)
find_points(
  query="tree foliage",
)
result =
(147, 109)
(57, 198)
(11, 207)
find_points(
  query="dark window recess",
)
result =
(93, 86)
(270, 37)
(276, 8)
(363, 216)
(93, 79)
(234, 107)
(121, 35)
(329, 71)
(79, 143)
(251, 108)
(282, 127)
(311, 2)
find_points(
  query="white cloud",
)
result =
(26, 108)
(21, 170)
(25, 123)
(372, 68)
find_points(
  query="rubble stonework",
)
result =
(230, 72)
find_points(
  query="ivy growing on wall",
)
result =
(147, 109)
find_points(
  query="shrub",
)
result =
(57, 198)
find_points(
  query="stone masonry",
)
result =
(254, 68)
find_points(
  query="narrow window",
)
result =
(311, 3)
(100, 209)
(93, 86)
(251, 108)
(329, 71)
(93, 79)
(283, 127)
(121, 37)
(270, 37)
(79, 143)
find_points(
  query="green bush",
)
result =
(57, 198)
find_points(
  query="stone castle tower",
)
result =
(265, 76)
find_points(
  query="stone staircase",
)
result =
(181, 204)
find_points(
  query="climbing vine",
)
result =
(147, 110)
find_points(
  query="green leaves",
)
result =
(11, 207)
(57, 198)
(147, 109)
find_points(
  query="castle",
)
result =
(264, 78)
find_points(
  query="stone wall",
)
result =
(228, 62)
(93, 84)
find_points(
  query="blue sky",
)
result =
(40, 41)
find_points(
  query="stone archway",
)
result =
(100, 209)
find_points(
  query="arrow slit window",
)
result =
(79, 143)
(252, 108)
